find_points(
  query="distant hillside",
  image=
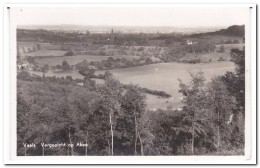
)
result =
(235, 30)
(120, 29)
(232, 31)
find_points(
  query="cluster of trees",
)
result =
(213, 116)
(177, 53)
(156, 93)
(230, 42)
(65, 66)
(110, 119)
(113, 118)
(221, 49)
(209, 116)
(201, 47)
(112, 63)
(31, 60)
(193, 61)
(214, 111)
(26, 76)
(69, 53)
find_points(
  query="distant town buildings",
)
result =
(190, 42)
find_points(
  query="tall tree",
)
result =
(111, 92)
(133, 104)
(222, 106)
(65, 66)
(23, 124)
(194, 106)
(235, 81)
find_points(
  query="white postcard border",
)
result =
(10, 102)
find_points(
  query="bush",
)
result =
(156, 93)
(24, 76)
(140, 49)
(69, 53)
(221, 59)
(102, 53)
(235, 41)
(221, 49)
(194, 61)
(65, 66)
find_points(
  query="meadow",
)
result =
(46, 53)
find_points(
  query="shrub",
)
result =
(156, 93)
(24, 76)
(140, 49)
(69, 53)
(221, 49)
(102, 53)
(221, 59)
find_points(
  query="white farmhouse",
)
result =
(189, 42)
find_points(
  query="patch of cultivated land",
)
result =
(44, 53)
(161, 76)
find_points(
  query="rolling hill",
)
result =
(235, 30)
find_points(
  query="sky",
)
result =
(132, 16)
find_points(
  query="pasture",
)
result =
(46, 53)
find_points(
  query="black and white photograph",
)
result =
(130, 81)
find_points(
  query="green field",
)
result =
(44, 53)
